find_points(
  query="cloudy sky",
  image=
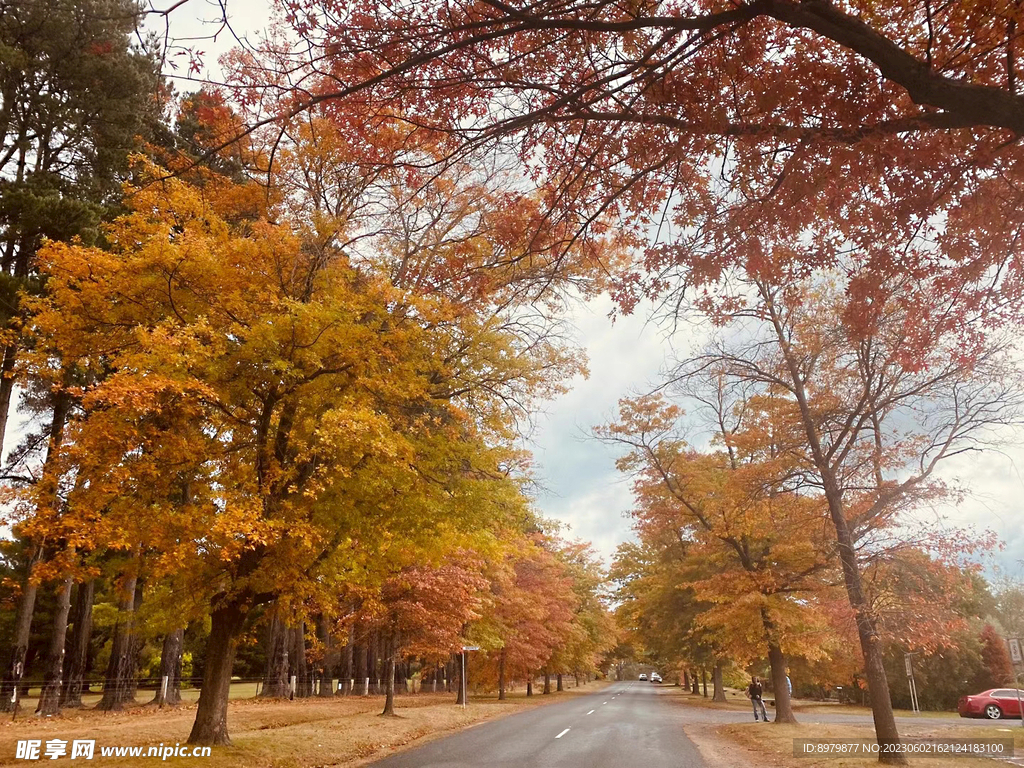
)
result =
(582, 488)
(579, 483)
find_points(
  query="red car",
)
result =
(993, 704)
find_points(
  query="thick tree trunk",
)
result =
(547, 681)
(300, 669)
(7, 386)
(558, 684)
(389, 683)
(53, 675)
(211, 724)
(326, 670)
(716, 677)
(704, 680)
(27, 603)
(501, 675)
(81, 634)
(359, 668)
(886, 731)
(22, 631)
(529, 685)
(275, 682)
(371, 662)
(170, 667)
(694, 684)
(686, 680)
(119, 685)
(402, 677)
(783, 706)
(459, 687)
(348, 665)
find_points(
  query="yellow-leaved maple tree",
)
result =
(263, 411)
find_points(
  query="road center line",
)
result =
(591, 711)
(562, 733)
(604, 702)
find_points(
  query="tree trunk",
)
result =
(170, 667)
(501, 675)
(547, 681)
(389, 683)
(53, 675)
(348, 665)
(119, 685)
(886, 732)
(81, 634)
(275, 682)
(22, 631)
(371, 662)
(358, 666)
(459, 699)
(783, 706)
(704, 680)
(327, 662)
(686, 680)
(211, 724)
(27, 603)
(529, 685)
(558, 684)
(7, 386)
(300, 669)
(694, 684)
(716, 677)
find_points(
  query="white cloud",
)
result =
(582, 486)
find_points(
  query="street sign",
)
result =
(1015, 655)
(906, 662)
(471, 647)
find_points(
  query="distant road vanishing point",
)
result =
(625, 724)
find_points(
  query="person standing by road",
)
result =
(754, 692)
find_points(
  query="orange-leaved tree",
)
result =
(868, 404)
(753, 550)
(263, 408)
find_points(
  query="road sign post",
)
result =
(1015, 654)
(465, 689)
(1017, 658)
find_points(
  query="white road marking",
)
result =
(562, 733)
(591, 711)
(604, 702)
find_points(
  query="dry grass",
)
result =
(773, 745)
(734, 700)
(737, 701)
(276, 734)
(819, 708)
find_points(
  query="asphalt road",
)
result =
(624, 724)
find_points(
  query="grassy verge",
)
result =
(745, 744)
(736, 701)
(817, 708)
(275, 734)
(775, 743)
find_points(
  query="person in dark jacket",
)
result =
(754, 691)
